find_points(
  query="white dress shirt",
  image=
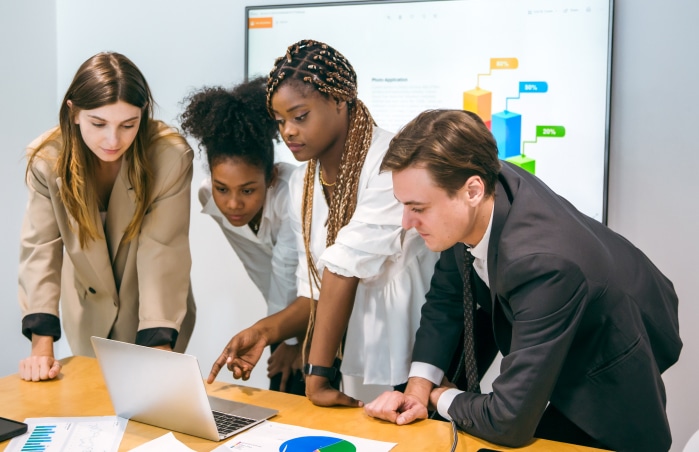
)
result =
(270, 257)
(435, 374)
(394, 268)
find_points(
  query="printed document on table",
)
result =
(166, 442)
(70, 434)
(276, 437)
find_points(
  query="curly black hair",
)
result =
(233, 124)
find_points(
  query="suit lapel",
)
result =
(502, 327)
(122, 205)
(95, 252)
(501, 209)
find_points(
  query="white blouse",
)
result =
(270, 257)
(394, 267)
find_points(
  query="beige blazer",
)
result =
(111, 288)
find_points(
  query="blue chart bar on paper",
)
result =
(40, 438)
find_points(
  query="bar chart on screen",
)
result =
(537, 72)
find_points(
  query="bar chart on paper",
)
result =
(79, 434)
(40, 437)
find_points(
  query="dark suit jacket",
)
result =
(583, 319)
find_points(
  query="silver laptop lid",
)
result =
(164, 389)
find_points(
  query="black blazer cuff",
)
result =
(41, 324)
(152, 337)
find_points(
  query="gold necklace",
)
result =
(320, 176)
(255, 225)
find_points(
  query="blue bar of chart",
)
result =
(507, 130)
(40, 438)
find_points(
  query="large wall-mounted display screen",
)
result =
(536, 71)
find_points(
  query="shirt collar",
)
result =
(211, 209)
(480, 251)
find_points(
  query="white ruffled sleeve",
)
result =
(374, 233)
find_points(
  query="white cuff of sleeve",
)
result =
(445, 401)
(291, 341)
(426, 371)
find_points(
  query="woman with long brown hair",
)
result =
(107, 222)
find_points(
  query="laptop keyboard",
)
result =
(228, 423)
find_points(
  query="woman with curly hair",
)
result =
(247, 195)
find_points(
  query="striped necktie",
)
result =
(470, 368)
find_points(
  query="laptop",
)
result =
(166, 389)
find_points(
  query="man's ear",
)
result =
(474, 189)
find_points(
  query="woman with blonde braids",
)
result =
(361, 277)
(106, 229)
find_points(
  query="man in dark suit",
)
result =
(585, 322)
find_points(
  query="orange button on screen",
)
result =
(260, 22)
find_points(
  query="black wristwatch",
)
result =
(328, 372)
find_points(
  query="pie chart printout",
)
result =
(317, 444)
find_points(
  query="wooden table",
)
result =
(80, 391)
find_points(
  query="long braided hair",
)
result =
(329, 72)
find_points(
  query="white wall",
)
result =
(182, 45)
(654, 157)
(28, 93)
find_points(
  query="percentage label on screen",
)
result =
(533, 87)
(550, 131)
(504, 63)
